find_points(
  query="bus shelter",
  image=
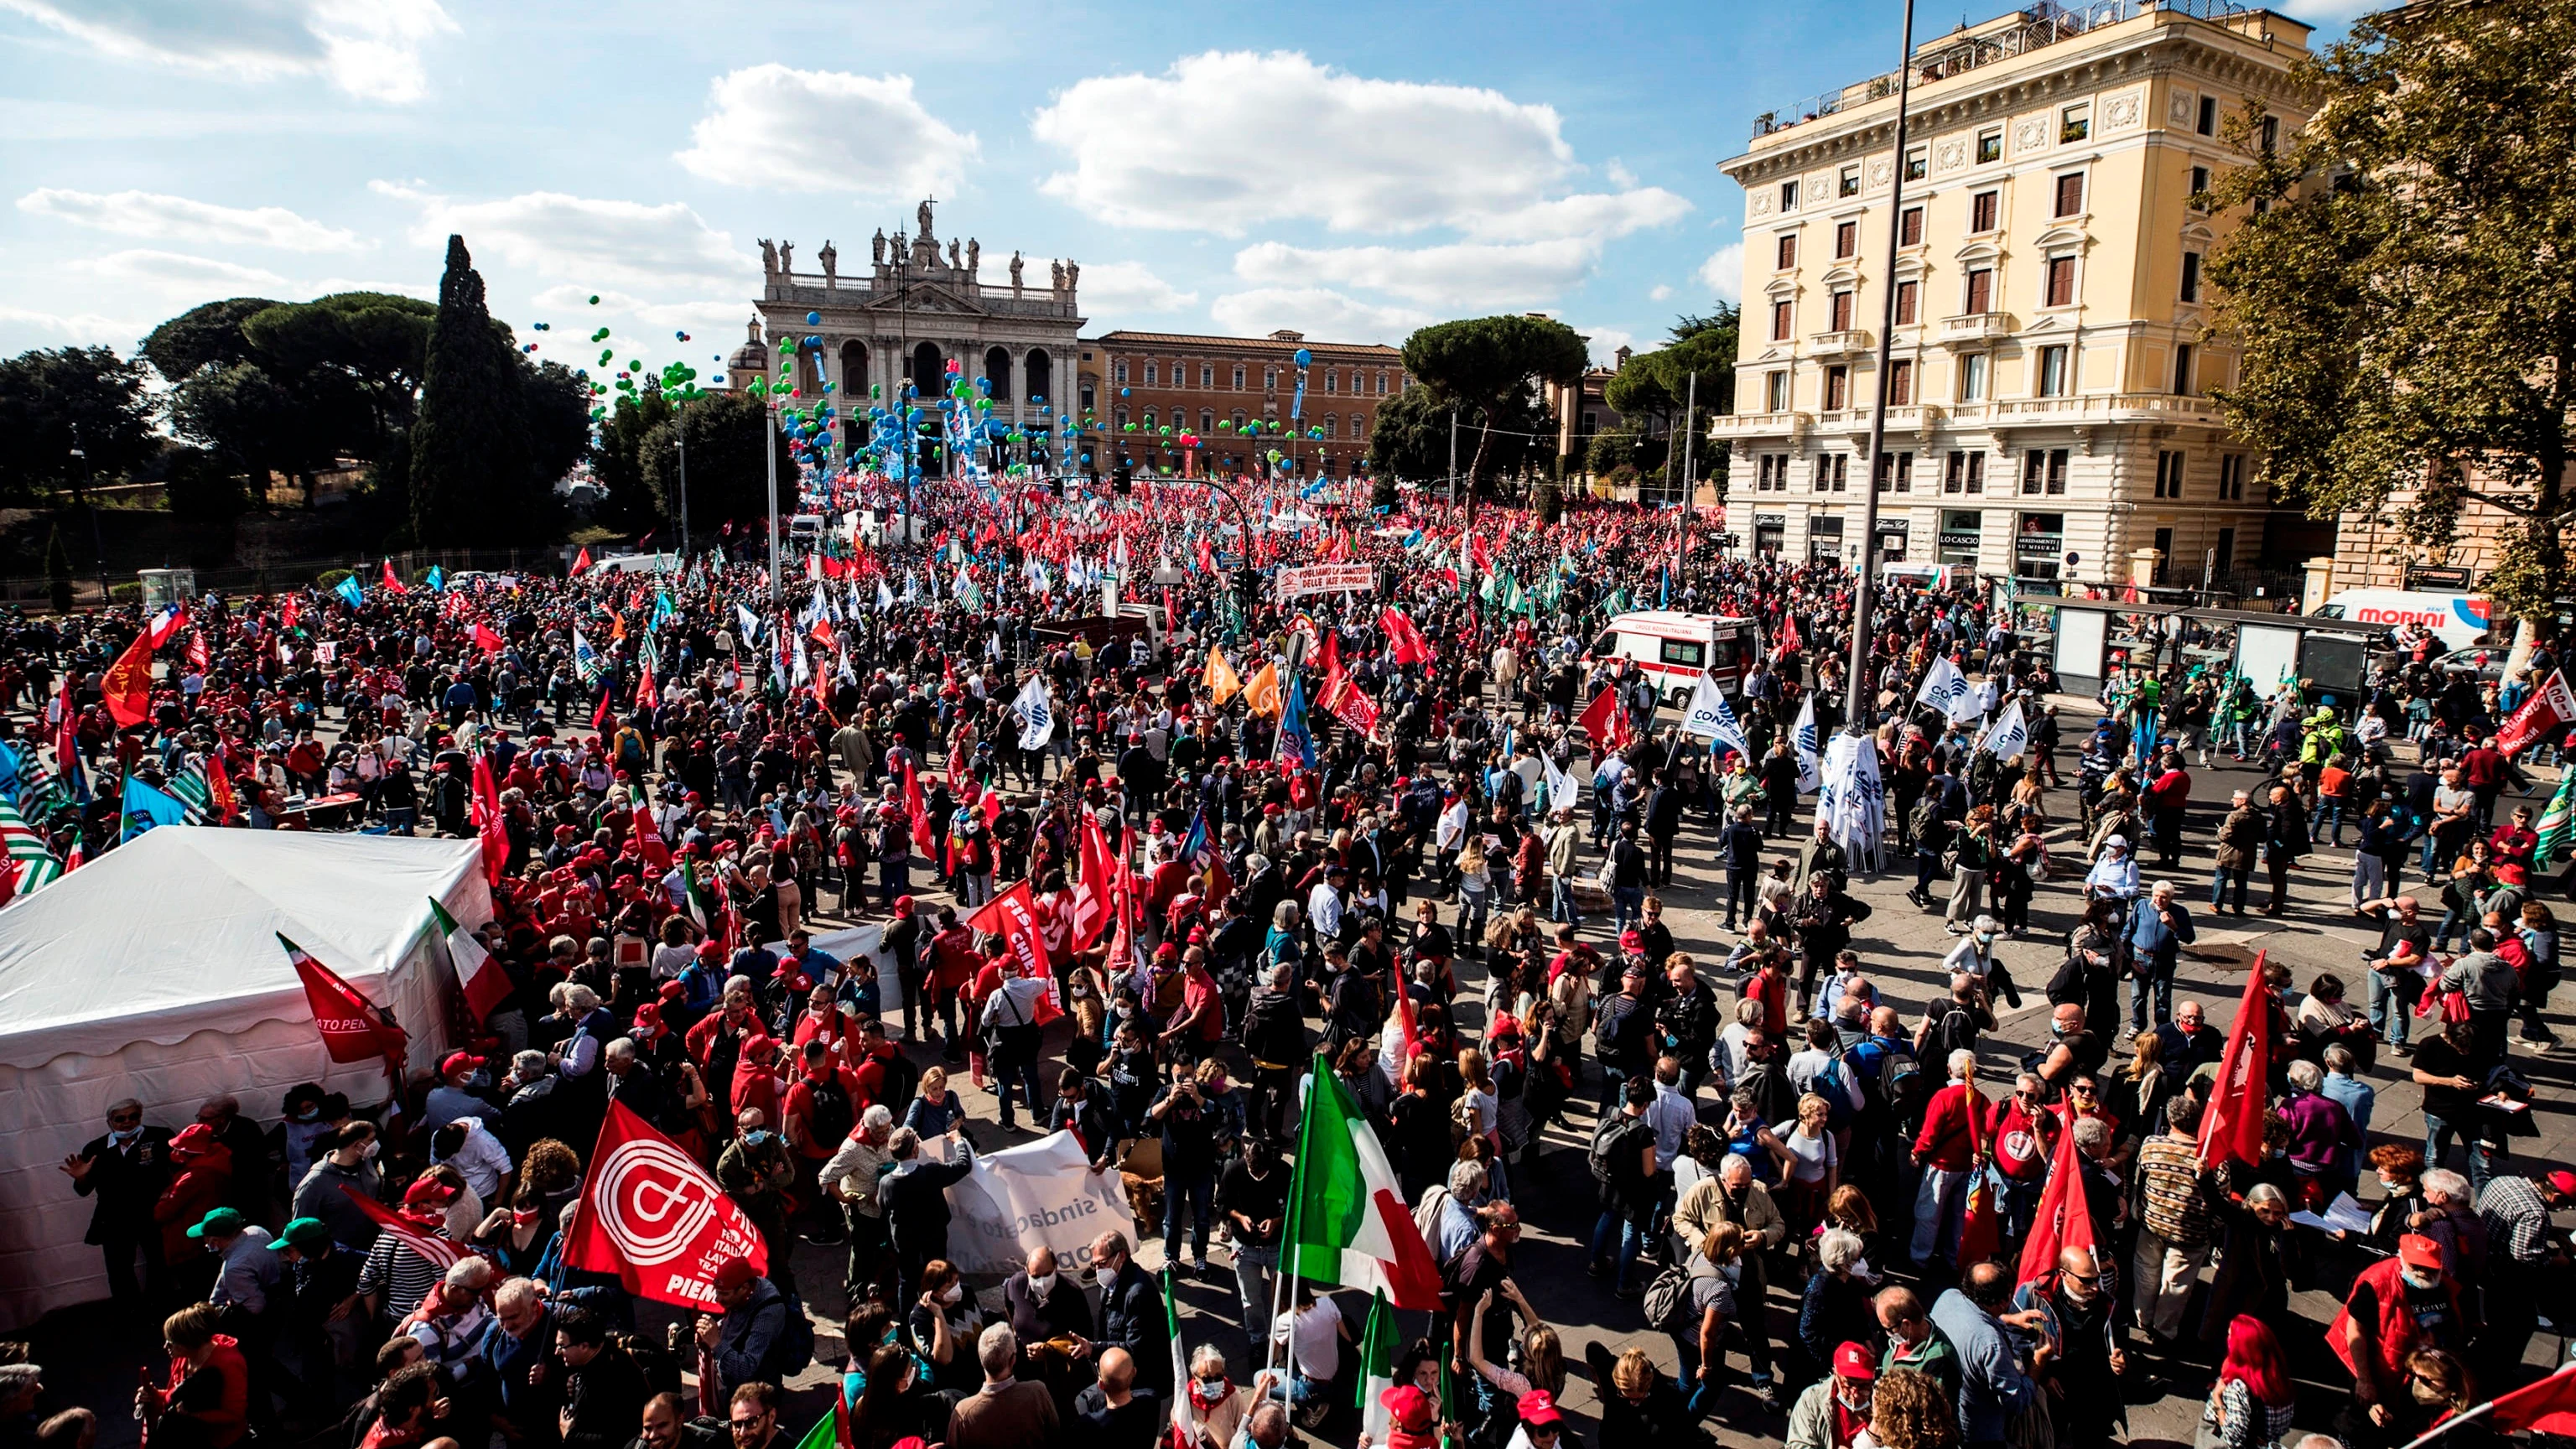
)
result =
(2086, 639)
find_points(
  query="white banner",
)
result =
(1854, 804)
(1712, 718)
(2007, 736)
(1037, 715)
(1803, 738)
(1325, 579)
(1020, 1199)
(1947, 690)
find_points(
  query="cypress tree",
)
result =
(469, 451)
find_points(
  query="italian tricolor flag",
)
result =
(1347, 1222)
(1185, 1418)
(486, 985)
(1377, 1368)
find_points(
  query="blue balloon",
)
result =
(813, 319)
(1304, 357)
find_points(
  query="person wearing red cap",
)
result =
(2397, 1306)
(1833, 1411)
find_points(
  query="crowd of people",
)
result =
(1450, 891)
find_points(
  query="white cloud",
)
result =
(1316, 311)
(1462, 276)
(590, 242)
(368, 48)
(174, 272)
(1605, 343)
(80, 327)
(1227, 140)
(1723, 272)
(1659, 292)
(811, 130)
(177, 218)
(1593, 215)
(1115, 288)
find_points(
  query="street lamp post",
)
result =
(1856, 688)
(769, 461)
(680, 439)
(80, 495)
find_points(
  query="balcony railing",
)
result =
(1975, 327)
(2084, 409)
(1847, 342)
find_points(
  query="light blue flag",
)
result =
(349, 591)
(437, 579)
(1293, 732)
(146, 807)
(12, 776)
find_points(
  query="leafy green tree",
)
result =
(727, 475)
(375, 342)
(1609, 450)
(557, 406)
(1656, 386)
(469, 451)
(2404, 285)
(249, 420)
(618, 463)
(1490, 368)
(200, 335)
(203, 486)
(70, 397)
(1409, 437)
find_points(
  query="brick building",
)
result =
(1214, 386)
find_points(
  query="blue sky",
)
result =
(1349, 170)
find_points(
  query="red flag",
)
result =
(1091, 889)
(1410, 646)
(353, 1030)
(2551, 708)
(579, 563)
(1606, 723)
(486, 640)
(440, 1253)
(646, 696)
(919, 810)
(1013, 916)
(2232, 1124)
(1788, 643)
(648, 840)
(393, 585)
(599, 716)
(488, 822)
(2063, 1220)
(653, 1217)
(198, 655)
(2546, 1407)
(286, 615)
(127, 685)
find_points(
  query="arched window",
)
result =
(1149, 412)
(1041, 377)
(1153, 374)
(1207, 421)
(929, 370)
(1238, 420)
(997, 371)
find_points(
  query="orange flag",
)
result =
(1222, 682)
(127, 685)
(1262, 694)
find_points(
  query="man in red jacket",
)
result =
(2168, 796)
(1956, 1138)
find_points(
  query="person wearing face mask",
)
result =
(126, 1170)
(1049, 1315)
(1833, 1412)
(2076, 1354)
(2398, 1307)
(1131, 1314)
(1974, 953)
(349, 1163)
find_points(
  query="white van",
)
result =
(2460, 621)
(1675, 648)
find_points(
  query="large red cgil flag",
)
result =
(2063, 1221)
(353, 1029)
(1606, 723)
(2546, 1407)
(2231, 1126)
(126, 688)
(1013, 916)
(653, 1217)
(488, 821)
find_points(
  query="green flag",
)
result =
(2558, 822)
(1377, 1367)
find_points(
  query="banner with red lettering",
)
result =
(2551, 708)
(653, 1217)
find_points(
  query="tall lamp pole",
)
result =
(1690, 485)
(769, 461)
(1856, 688)
(680, 438)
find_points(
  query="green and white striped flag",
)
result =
(2558, 822)
(41, 791)
(189, 788)
(28, 853)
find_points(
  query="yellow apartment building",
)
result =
(2049, 414)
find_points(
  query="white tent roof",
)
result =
(176, 932)
(154, 973)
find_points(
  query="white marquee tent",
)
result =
(154, 972)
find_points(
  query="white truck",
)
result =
(2460, 621)
(1674, 648)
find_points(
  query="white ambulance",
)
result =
(1675, 648)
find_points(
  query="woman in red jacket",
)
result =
(205, 1172)
(207, 1402)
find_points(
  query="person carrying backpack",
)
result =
(817, 1114)
(1953, 1024)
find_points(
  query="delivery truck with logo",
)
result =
(2460, 621)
